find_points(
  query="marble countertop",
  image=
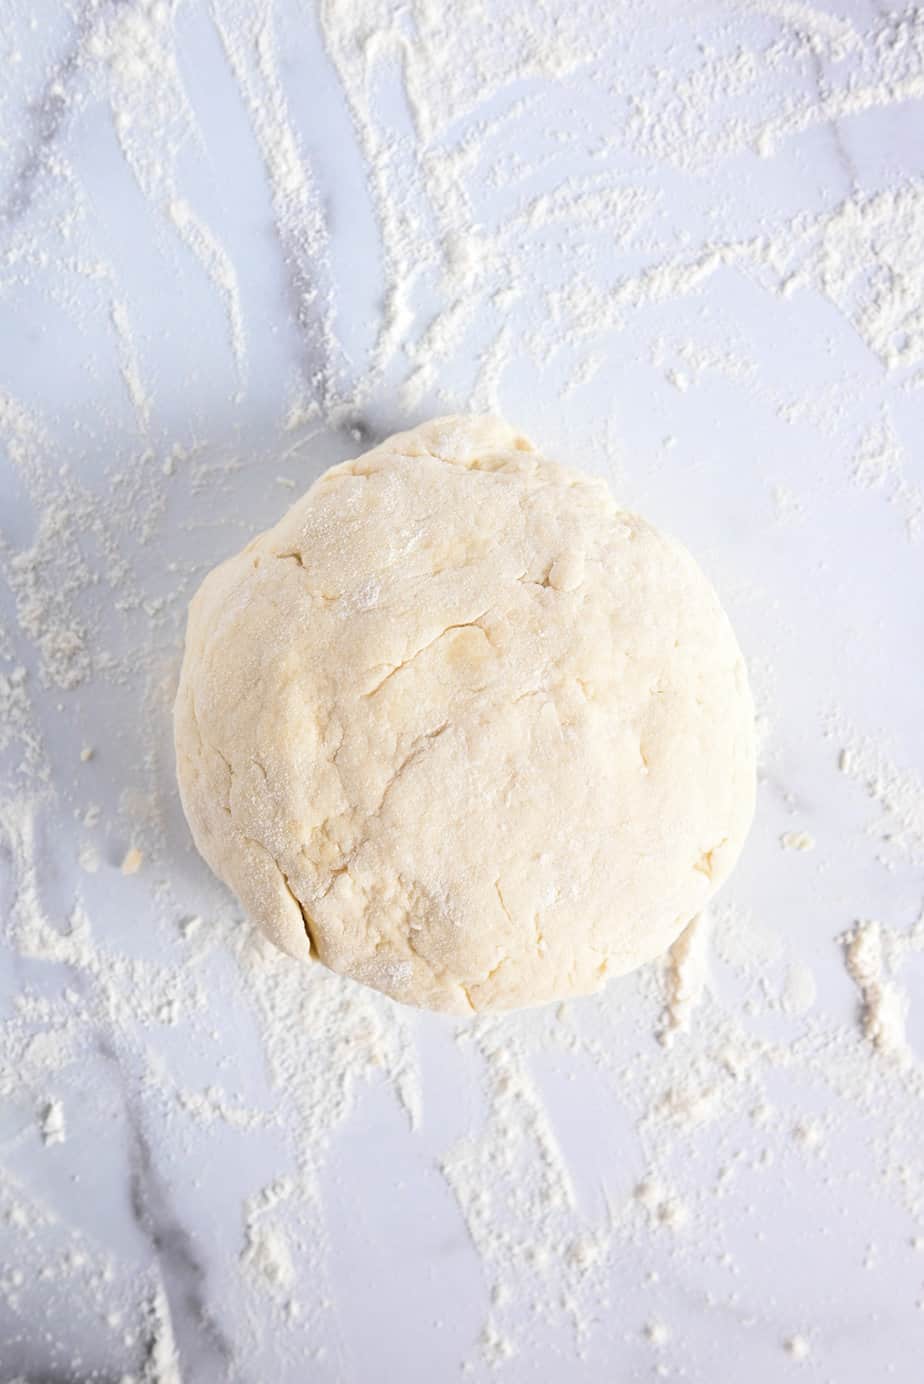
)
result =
(682, 246)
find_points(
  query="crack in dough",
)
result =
(418, 748)
(299, 561)
(405, 663)
(500, 898)
(306, 917)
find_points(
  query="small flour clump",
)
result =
(687, 963)
(797, 1347)
(797, 841)
(883, 1004)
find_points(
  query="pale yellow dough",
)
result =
(463, 729)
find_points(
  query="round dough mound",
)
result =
(462, 728)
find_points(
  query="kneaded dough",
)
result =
(461, 728)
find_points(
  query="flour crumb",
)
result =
(131, 861)
(86, 754)
(809, 1134)
(656, 1333)
(797, 1348)
(496, 1347)
(673, 1213)
(797, 841)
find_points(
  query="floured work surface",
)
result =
(239, 246)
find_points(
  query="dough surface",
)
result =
(461, 728)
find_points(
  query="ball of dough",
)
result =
(461, 728)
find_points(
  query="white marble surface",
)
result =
(750, 317)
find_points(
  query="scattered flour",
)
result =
(523, 235)
(897, 792)
(881, 464)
